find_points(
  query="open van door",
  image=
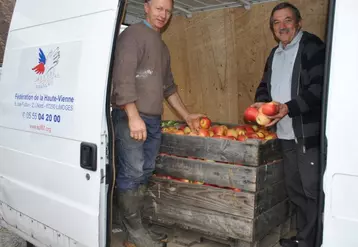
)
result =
(341, 175)
(54, 116)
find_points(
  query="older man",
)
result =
(294, 77)
(142, 80)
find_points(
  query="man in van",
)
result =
(293, 77)
(142, 80)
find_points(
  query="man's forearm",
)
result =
(175, 101)
(131, 110)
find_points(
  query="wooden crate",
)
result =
(252, 152)
(243, 196)
(215, 211)
(226, 175)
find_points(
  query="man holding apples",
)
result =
(293, 78)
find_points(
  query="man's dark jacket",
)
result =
(306, 90)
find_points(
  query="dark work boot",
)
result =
(129, 204)
(290, 242)
(143, 190)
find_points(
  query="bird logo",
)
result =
(47, 62)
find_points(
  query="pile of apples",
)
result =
(260, 116)
(238, 133)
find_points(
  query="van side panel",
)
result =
(52, 99)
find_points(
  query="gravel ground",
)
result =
(8, 239)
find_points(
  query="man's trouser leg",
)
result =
(151, 149)
(130, 176)
(302, 175)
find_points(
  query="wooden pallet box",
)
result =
(222, 188)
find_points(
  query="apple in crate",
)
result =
(241, 138)
(179, 132)
(231, 132)
(240, 130)
(204, 132)
(187, 130)
(249, 129)
(205, 123)
(270, 108)
(211, 133)
(219, 130)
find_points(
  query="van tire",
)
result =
(29, 244)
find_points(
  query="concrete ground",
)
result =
(8, 239)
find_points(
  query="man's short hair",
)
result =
(285, 5)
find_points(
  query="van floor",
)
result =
(118, 237)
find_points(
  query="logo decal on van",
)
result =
(46, 67)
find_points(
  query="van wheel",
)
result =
(29, 244)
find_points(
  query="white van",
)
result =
(56, 144)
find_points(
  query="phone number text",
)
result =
(42, 116)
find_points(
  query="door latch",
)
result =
(88, 156)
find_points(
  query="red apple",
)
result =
(242, 138)
(184, 180)
(253, 136)
(179, 132)
(219, 130)
(240, 130)
(262, 119)
(249, 129)
(182, 126)
(231, 132)
(203, 132)
(270, 109)
(205, 123)
(211, 133)
(250, 114)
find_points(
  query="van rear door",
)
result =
(341, 175)
(53, 123)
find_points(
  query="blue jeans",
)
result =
(135, 160)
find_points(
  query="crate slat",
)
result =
(225, 175)
(217, 223)
(251, 152)
(243, 204)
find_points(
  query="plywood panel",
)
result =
(218, 57)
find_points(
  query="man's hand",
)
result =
(137, 128)
(193, 121)
(283, 111)
(257, 105)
